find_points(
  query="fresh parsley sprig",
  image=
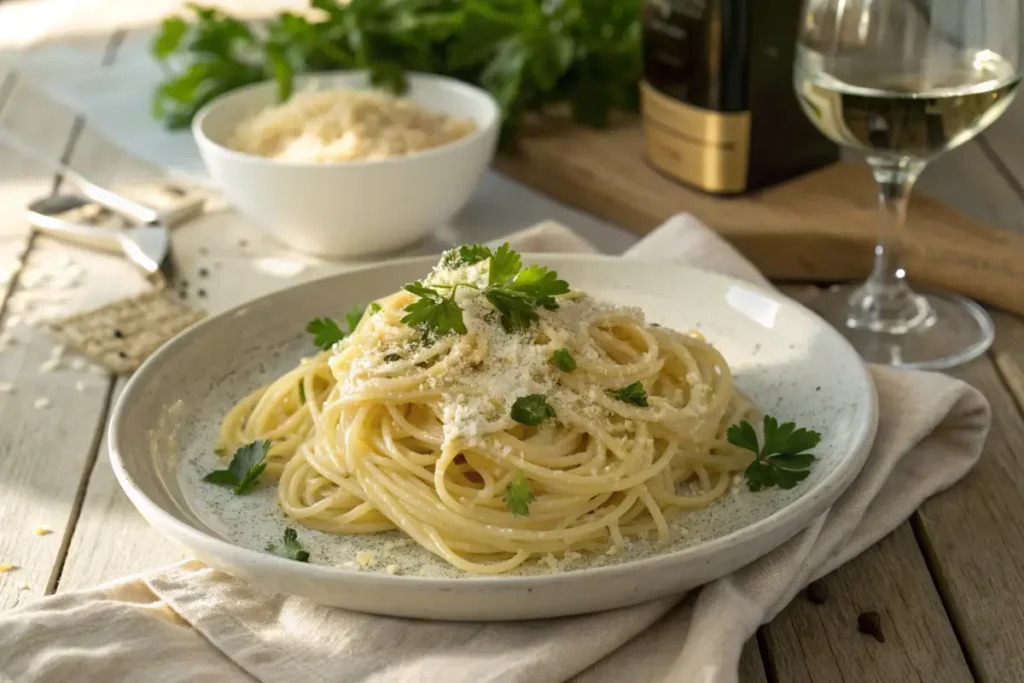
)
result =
(519, 495)
(292, 549)
(326, 332)
(515, 292)
(634, 394)
(532, 55)
(783, 460)
(247, 464)
(433, 312)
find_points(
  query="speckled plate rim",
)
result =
(780, 526)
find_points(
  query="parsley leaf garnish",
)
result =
(563, 360)
(631, 393)
(784, 460)
(532, 410)
(540, 285)
(375, 308)
(517, 312)
(292, 548)
(505, 263)
(326, 333)
(519, 495)
(433, 311)
(515, 292)
(353, 317)
(466, 255)
(247, 464)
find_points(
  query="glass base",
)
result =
(944, 330)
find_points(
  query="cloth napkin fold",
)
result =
(192, 623)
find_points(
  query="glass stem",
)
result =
(885, 303)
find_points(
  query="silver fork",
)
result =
(146, 243)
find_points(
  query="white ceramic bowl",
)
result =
(357, 207)
(787, 359)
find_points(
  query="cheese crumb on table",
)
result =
(41, 403)
(50, 365)
(23, 586)
(6, 387)
(43, 531)
(365, 559)
(4, 568)
(79, 385)
(392, 569)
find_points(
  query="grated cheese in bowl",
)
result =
(345, 125)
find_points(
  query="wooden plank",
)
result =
(809, 642)
(111, 538)
(821, 643)
(967, 179)
(1002, 142)
(751, 666)
(1008, 352)
(51, 423)
(972, 538)
(33, 454)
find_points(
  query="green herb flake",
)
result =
(302, 392)
(532, 410)
(292, 549)
(519, 495)
(634, 394)
(245, 468)
(375, 308)
(783, 461)
(563, 360)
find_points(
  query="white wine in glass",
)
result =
(902, 81)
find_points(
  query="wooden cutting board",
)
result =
(819, 228)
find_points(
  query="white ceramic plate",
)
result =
(786, 358)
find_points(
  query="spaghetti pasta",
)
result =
(391, 429)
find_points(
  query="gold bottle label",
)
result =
(708, 149)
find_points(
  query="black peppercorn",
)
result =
(870, 624)
(817, 592)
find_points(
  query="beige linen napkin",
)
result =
(192, 623)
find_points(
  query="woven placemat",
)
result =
(122, 334)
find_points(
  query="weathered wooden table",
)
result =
(949, 584)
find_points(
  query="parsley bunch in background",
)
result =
(530, 54)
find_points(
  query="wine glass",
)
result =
(902, 81)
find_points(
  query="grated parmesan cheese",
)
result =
(345, 125)
(49, 365)
(366, 559)
(4, 568)
(41, 403)
(43, 531)
(509, 365)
